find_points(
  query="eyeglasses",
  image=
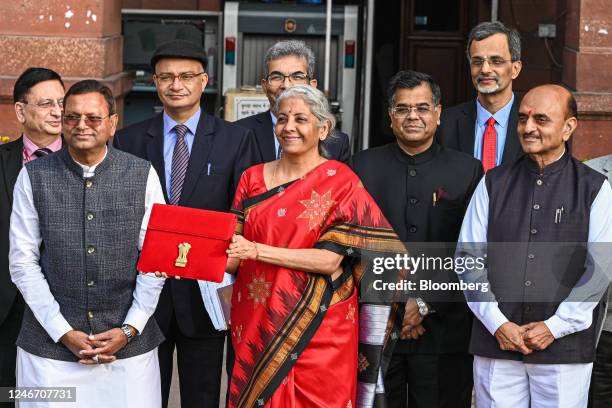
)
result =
(401, 112)
(184, 77)
(90, 121)
(294, 77)
(478, 62)
(46, 104)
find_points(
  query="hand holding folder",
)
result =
(187, 242)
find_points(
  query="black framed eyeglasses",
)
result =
(294, 77)
(184, 77)
(401, 112)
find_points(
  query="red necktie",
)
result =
(489, 145)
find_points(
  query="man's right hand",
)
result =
(510, 338)
(76, 341)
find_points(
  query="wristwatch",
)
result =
(423, 307)
(128, 332)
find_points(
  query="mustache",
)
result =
(413, 123)
(177, 93)
(481, 77)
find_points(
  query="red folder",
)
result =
(187, 242)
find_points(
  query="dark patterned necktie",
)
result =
(42, 152)
(180, 159)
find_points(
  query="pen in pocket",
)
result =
(208, 170)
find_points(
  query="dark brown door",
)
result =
(433, 41)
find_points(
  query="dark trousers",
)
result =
(9, 329)
(600, 393)
(200, 362)
(429, 381)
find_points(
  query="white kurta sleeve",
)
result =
(148, 287)
(472, 243)
(575, 313)
(24, 261)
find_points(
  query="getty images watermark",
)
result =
(432, 265)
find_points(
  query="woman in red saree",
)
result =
(304, 220)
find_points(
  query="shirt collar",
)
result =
(552, 167)
(502, 116)
(274, 119)
(89, 171)
(416, 159)
(191, 123)
(30, 147)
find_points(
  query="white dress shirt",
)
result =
(24, 256)
(570, 316)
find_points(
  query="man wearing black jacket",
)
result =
(38, 97)
(287, 63)
(199, 160)
(424, 191)
(486, 127)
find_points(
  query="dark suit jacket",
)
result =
(230, 149)
(11, 162)
(457, 127)
(261, 125)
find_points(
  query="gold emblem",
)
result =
(183, 248)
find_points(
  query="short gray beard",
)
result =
(488, 91)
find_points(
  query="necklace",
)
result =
(274, 173)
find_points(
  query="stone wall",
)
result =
(79, 40)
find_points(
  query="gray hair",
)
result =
(291, 48)
(489, 28)
(319, 107)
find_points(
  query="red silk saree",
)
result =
(295, 334)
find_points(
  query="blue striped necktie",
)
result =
(180, 159)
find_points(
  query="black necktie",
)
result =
(42, 152)
(180, 159)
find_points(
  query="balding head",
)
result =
(547, 119)
(560, 94)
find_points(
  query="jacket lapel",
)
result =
(466, 128)
(264, 133)
(12, 162)
(512, 148)
(200, 155)
(155, 149)
(606, 169)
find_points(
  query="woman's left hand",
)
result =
(242, 248)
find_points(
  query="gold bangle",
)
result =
(256, 251)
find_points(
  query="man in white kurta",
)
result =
(95, 336)
(535, 332)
